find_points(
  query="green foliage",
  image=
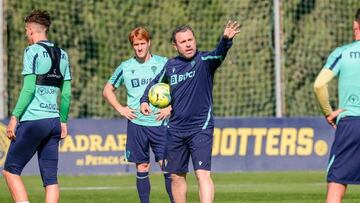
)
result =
(94, 33)
(312, 29)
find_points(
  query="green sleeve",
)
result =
(65, 101)
(26, 95)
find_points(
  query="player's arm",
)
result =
(322, 96)
(330, 70)
(321, 90)
(216, 57)
(26, 95)
(109, 95)
(144, 100)
(65, 100)
(65, 97)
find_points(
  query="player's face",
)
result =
(185, 44)
(141, 48)
(29, 33)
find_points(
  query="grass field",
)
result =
(269, 187)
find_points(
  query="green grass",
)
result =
(269, 187)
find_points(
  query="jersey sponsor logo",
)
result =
(177, 78)
(48, 106)
(137, 82)
(355, 54)
(43, 91)
(54, 76)
(4, 144)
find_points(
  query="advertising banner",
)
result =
(240, 144)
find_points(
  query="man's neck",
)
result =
(143, 60)
(39, 38)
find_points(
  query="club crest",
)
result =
(153, 68)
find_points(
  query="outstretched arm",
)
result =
(216, 57)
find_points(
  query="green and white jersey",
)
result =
(344, 62)
(136, 76)
(37, 61)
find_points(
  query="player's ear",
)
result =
(31, 30)
(149, 42)
(174, 45)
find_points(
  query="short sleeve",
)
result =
(117, 78)
(333, 62)
(29, 61)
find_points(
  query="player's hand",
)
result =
(145, 109)
(127, 112)
(232, 28)
(356, 30)
(10, 130)
(64, 131)
(331, 118)
(164, 113)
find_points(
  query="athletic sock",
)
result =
(143, 186)
(167, 177)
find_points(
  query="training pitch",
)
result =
(265, 187)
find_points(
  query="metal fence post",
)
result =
(278, 85)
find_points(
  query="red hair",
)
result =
(140, 33)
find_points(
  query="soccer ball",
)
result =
(159, 95)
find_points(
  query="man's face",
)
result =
(141, 47)
(185, 44)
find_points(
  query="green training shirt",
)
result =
(344, 62)
(136, 76)
(44, 103)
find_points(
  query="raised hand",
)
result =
(232, 28)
